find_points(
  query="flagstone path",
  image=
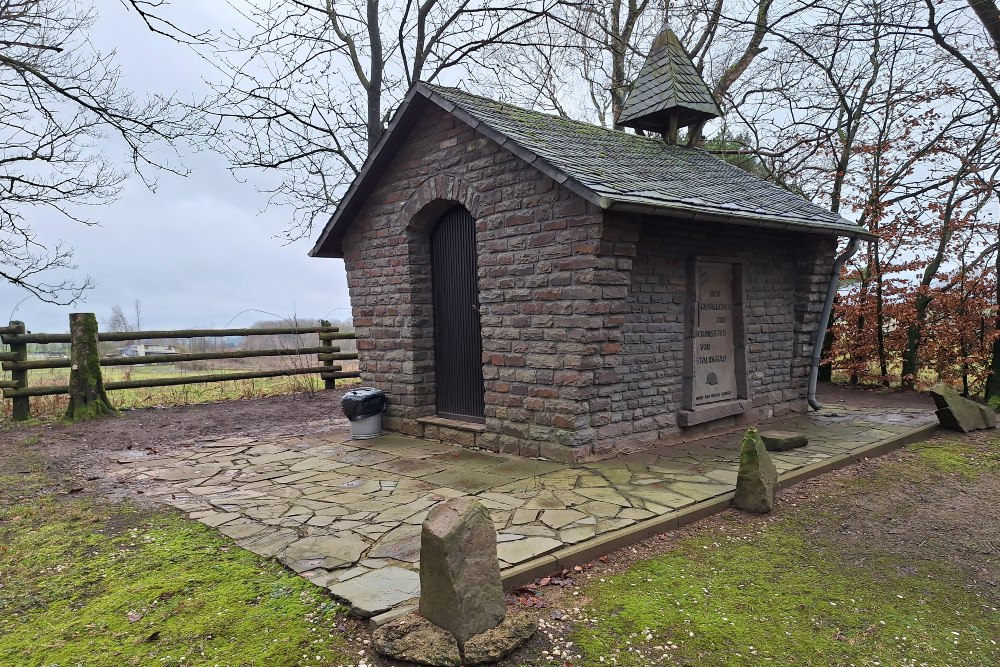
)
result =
(347, 514)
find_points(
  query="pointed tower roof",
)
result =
(668, 86)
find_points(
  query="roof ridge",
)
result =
(611, 130)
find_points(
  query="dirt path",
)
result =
(82, 449)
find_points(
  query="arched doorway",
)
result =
(458, 344)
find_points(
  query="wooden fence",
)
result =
(18, 389)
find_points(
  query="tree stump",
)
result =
(87, 398)
(22, 406)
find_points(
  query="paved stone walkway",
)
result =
(347, 514)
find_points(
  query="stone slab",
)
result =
(326, 551)
(957, 413)
(378, 591)
(780, 441)
(529, 547)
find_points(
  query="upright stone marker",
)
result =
(757, 479)
(460, 586)
(463, 616)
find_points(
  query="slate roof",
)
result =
(668, 84)
(612, 169)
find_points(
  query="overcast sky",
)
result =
(200, 251)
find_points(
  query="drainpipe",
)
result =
(824, 321)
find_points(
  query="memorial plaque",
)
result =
(714, 353)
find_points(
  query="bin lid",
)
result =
(364, 392)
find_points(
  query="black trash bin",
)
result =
(364, 408)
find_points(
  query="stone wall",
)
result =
(542, 286)
(582, 323)
(785, 274)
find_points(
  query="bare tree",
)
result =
(63, 103)
(118, 321)
(586, 68)
(308, 86)
(855, 106)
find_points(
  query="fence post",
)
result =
(87, 398)
(22, 405)
(327, 383)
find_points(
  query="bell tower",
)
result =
(669, 93)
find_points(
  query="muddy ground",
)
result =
(82, 450)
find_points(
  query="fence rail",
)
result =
(16, 360)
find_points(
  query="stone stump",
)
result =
(463, 615)
(460, 586)
(757, 479)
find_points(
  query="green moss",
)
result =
(93, 410)
(956, 457)
(95, 584)
(777, 598)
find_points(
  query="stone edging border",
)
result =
(579, 554)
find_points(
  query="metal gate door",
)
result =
(458, 344)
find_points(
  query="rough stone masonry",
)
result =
(582, 311)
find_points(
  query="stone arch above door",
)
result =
(434, 197)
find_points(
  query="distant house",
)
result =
(143, 350)
(531, 284)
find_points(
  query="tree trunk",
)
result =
(87, 398)
(859, 326)
(883, 361)
(989, 16)
(826, 366)
(375, 77)
(617, 46)
(914, 335)
(993, 383)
